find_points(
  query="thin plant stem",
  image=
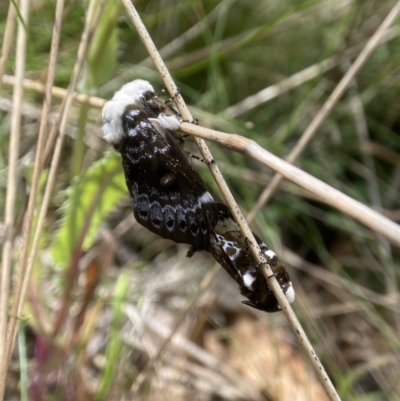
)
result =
(59, 93)
(38, 165)
(299, 78)
(325, 192)
(7, 39)
(271, 92)
(12, 180)
(244, 228)
(23, 362)
(21, 283)
(329, 105)
(145, 374)
(6, 265)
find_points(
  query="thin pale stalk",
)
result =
(12, 181)
(371, 219)
(361, 129)
(98, 103)
(84, 44)
(5, 271)
(187, 36)
(327, 278)
(329, 105)
(301, 77)
(246, 389)
(59, 93)
(23, 273)
(146, 373)
(244, 228)
(7, 39)
(273, 91)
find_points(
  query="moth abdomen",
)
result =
(231, 250)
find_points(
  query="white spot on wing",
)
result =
(270, 254)
(206, 198)
(290, 294)
(248, 280)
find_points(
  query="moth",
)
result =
(169, 197)
(230, 249)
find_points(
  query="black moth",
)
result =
(169, 197)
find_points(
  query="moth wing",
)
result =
(168, 195)
(242, 267)
(217, 251)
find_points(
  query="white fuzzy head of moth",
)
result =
(113, 110)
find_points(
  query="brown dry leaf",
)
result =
(267, 361)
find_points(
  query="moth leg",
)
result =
(201, 159)
(192, 250)
(258, 265)
(246, 245)
(176, 94)
(163, 90)
(195, 121)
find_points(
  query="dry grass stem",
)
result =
(329, 105)
(226, 45)
(285, 85)
(335, 282)
(301, 77)
(244, 228)
(361, 129)
(12, 184)
(90, 26)
(344, 250)
(7, 39)
(328, 194)
(5, 271)
(146, 373)
(56, 92)
(23, 272)
(205, 358)
(270, 92)
(188, 36)
(200, 55)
